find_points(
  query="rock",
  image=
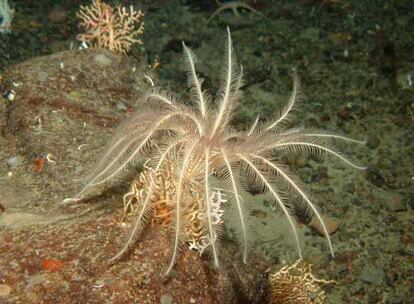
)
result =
(166, 299)
(372, 274)
(259, 213)
(4, 290)
(36, 280)
(64, 111)
(331, 225)
(17, 220)
(42, 76)
(121, 106)
(13, 162)
(139, 277)
(103, 60)
(63, 101)
(390, 200)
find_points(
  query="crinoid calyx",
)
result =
(207, 164)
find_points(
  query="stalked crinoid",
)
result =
(197, 166)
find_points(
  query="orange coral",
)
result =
(108, 28)
(296, 284)
(165, 190)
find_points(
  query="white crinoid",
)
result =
(214, 164)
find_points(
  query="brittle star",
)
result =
(234, 6)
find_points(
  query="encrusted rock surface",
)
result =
(83, 249)
(66, 106)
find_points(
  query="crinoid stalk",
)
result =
(208, 164)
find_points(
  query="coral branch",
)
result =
(296, 284)
(105, 27)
